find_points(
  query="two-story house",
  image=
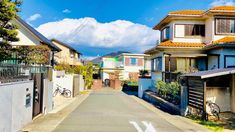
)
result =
(28, 36)
(68, 54)
(194, 40)
(122, 64)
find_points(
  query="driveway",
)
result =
(114, 111)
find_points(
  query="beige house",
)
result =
(67, 55)
(28, 36)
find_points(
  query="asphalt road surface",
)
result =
(113, 111)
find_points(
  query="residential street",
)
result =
(109, 110)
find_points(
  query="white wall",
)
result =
(65, 81)
(25, 36)
(220, 96)
(14, 112)
(47, 96)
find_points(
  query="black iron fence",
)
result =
(14, 73)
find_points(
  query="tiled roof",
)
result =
(225, 40)
(180, 44)
(66, 45)
(187, 12)
(171, 44)
(227, 8)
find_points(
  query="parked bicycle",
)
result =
(63, 91)
(212, 109)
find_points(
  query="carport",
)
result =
(217, 86)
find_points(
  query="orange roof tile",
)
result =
(228, 8)
(225, 40)
(187, 12)
(180, 44)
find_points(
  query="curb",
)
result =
(182, 123)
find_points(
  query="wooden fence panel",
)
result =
(196, 93)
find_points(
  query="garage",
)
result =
(216, 86)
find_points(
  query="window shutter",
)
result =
(140, 62)
(127, 61)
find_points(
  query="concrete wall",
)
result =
(220, 96)
(143, 84)
(233, 94)
(47, 96)
(14, 111)
(79, 84)
(65, 81)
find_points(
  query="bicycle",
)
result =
(65, 92)
(213, 109)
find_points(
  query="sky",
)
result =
(98, 27)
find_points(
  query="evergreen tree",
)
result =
(8, 33)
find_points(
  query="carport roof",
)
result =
(211, 73)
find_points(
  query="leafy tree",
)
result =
(8, 33)
(88, 75)
(38, 54)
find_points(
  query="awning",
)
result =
(211, 73)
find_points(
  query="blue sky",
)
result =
(105, 25)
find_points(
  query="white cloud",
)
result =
(66, 11)
(222, 2)
(33, 17)
(88, 31)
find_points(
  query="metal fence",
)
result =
(14, 73)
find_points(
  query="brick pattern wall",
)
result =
(140, 62)
(127, 61)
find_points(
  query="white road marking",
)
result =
(148, 126)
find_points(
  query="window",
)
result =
(165, 34)
(72, 54)
(225, 25)
(133, 61)
(157, 64)
(194, 30)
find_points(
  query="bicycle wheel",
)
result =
(215, 110)
(67, 93)
(55, 93)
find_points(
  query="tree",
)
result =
(38, 54)
(8, 33)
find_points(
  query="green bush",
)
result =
(169, 91)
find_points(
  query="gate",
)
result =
(38, 93)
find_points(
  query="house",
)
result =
(199, 46)
(28, 36)
(26, 90)
(125, 65)
(194, 40)
(68, 54)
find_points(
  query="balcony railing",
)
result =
(171, 76)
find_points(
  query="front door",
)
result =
(38, 92)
